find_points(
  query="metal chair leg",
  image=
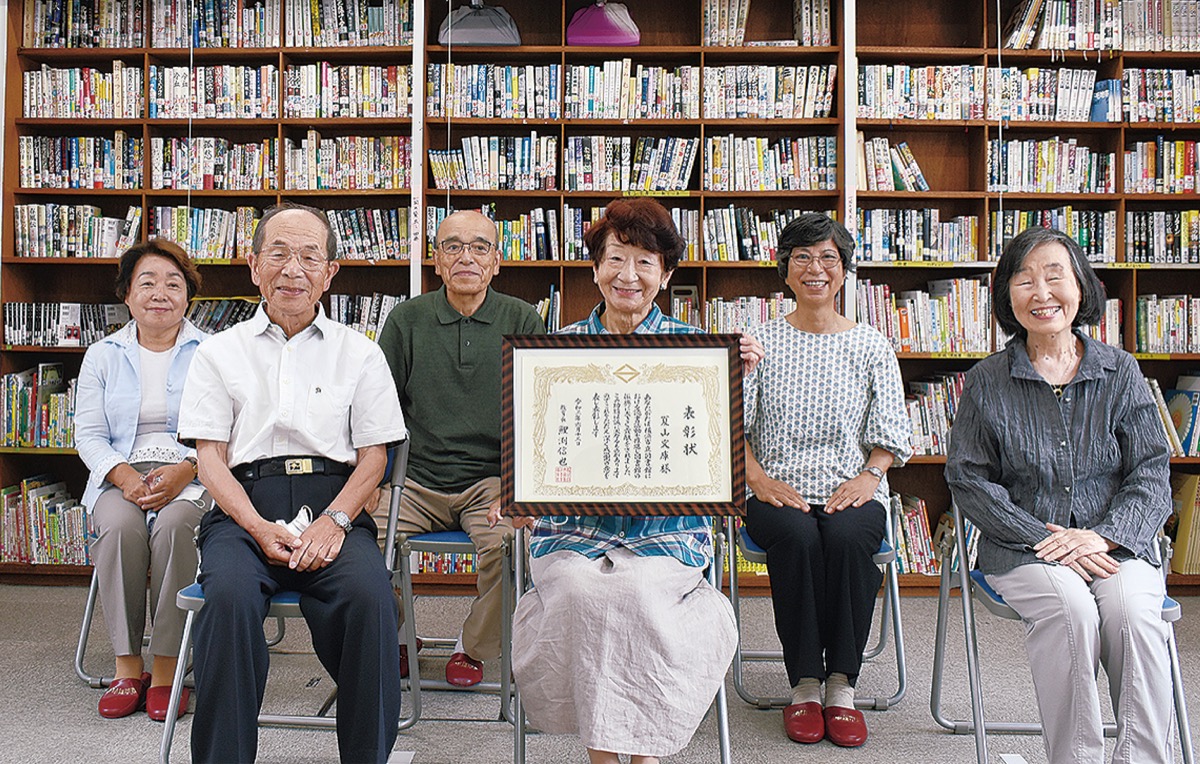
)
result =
(177, 688)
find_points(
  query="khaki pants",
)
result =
(423, 510)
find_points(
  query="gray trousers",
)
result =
(1072, 628)
(123, 550)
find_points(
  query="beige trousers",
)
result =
(423, 510)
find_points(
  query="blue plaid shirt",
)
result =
(684, 538)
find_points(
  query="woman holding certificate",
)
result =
(622, 641)
(825, 420)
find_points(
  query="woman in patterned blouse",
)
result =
(1058, 455)
(825, 420)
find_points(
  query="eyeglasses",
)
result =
(826, 260)
(278, 258)
(477, 248)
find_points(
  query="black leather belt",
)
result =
(290, 465)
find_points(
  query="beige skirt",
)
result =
(626, 652)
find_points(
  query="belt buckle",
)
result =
(298, 466)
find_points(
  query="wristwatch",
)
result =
(339, 518)
(872, 469)
(195, 467)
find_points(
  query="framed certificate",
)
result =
(622, 424)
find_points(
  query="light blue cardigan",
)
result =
(109, 397)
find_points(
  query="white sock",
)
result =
(458, 648)
(838, 691)
(807, 690)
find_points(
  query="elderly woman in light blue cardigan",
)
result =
(142, 494)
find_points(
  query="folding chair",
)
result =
(284, 604)
(974, 581)
(518, 718)
(89, 610)
(449, 542)
(889, 619)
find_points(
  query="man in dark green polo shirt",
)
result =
(444, 351)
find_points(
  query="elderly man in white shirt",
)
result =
(292, 414)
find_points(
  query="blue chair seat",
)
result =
(284, 604)
(995, 604)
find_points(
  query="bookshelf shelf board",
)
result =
(833, 193)
(1188, 198)
(501, 51)
(1070, 58)
(44, 575)
(373, 52)
(609, 195)
(941, 356)
(87, 192)
(920, 124)
(399, 125)
(1072, 127)
(1167, 356)
(12, 260)
(92, 125)
(760, 53)
(1189, 460)
(744, 125)
(208, 123)
(1048, 197)
(635, 51)
(917, 54)
(930, 195)
(214, 55)
(365, 263)
(734, 264)
(325, 192)
(1159, 59)
(925, 459)
(42, 349)
(584, 123)
(210, 193)
(461, 122)
(527, 263)
(436, 196)
(987, 264)
(38, 451)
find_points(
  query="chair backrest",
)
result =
(398, 464)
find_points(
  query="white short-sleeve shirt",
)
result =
(324, 392)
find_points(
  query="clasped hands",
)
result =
(1083, 551)
(313, 549)
(156, 488)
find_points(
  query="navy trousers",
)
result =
(350, 609)
(823, 582)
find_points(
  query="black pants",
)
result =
(823, 583)
(350, 610)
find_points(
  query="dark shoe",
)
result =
(845, 726)
(804, 723)
(123, 697)
(404, 657)
(464, 671)
(157, 700)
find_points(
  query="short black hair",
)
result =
(812, 228)
(1091, 289)
(162, 248)
(260, 230)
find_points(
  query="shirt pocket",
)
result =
(327, 415)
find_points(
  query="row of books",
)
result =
(1162, 236)
(364, 313)
(1168, 323)
(89, 161)
(504, 162)
(1132, 25)
(741, 233)
(1161, 95)
(83, 92)
(915, 552)
(38, 407)
(1110, 328)
(1039, 94)
(756, 163)
(216, 314)
(344, 23)
(1049, 166)
(622, 163)
(550, 309)
(61, 324)
(326, 90)
(884, 167)
(903, 91)
(1094, 230)
(1183, 526)
(760, 91)
(931, 403)
(1162, 167)
(41, 523)
(206, 233)
(215, 23)
(915, 235)
(224, 91)
(493, 90)
(529, 236)
(723, 22)
(442, 562)
(624, 90)
(953, 316)
(1179, 409)
(73, 230)
(731, 316)
(213, 163)
(371, 233)
(348, 162)
(82, 24)
(577, 220)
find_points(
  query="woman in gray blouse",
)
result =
(1058, 455)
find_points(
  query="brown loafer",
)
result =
(804, 723)
(157, 700)
(845, 726)
(124, 696)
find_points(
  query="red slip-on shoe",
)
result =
(804, 722)
(463, 671)
(845, 726)
(157, 700)
(124, 696)
(404, 657)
